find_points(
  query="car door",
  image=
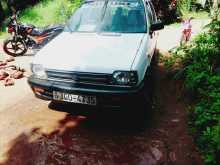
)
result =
(151, 34)
(154, 20)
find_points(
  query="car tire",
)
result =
(149, 81)
(145, 110)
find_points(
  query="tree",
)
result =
(166, 10)
(215, 8)
(21, 4)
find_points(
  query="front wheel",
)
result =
(14, 48)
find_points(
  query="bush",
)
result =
(199, 66)
(49, 12)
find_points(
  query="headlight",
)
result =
(125, 78)
(38, 71)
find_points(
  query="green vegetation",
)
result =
(198, 65)
(191, 8)
(49, 12)
(3, 35)
(187, 14)
(198, 8)
(196, 15)
(187, 5)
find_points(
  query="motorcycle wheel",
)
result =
(14, 48)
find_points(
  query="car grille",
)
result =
(80, 77)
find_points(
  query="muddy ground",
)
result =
(35, 132)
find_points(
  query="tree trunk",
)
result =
(1, 13)
(215, 4)
(215, 9)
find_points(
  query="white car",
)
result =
(103, 56)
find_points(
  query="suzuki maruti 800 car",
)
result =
(103, 56)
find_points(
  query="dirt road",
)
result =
(35, 132)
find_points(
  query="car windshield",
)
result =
(119, 16)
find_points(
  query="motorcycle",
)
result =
(27, 36)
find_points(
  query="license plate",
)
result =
(72, 98)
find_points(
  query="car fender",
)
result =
(143, 58)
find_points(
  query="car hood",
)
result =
(88, 52)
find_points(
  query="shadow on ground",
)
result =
(95, 138)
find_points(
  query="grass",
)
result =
(46, 13)
(3, 35)
(195, 15)
(49, 12)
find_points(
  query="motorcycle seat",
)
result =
(28, 26)
(45, 30)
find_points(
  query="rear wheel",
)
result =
(14, 48)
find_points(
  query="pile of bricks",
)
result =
(10, 73)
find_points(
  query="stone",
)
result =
(156, 153)
(172, 156)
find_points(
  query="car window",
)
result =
(123, 16)
(86, 17)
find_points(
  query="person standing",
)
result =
(186, 31)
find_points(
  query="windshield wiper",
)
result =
(104, 9)
(103, 14)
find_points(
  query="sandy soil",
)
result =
(35, 132)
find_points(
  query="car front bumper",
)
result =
(106, 97)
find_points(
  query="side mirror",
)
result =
(157, 26)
